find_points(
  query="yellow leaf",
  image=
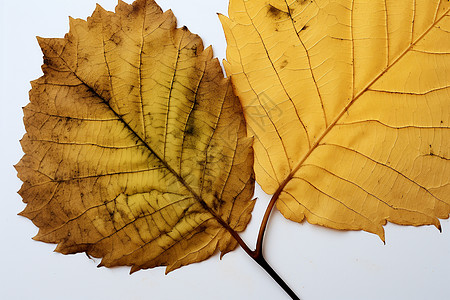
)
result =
(349, 105)
(136, 147)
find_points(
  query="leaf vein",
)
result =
(386, 166)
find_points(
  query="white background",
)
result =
(318, 263)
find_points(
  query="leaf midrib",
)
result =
(164, 163)
(357, 96)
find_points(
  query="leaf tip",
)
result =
(135, 268)
(382, 235)
(121, 3)
(222, 254)
(168, 270)
(208, 52)
(73, 22)
(98, 8)
(37, 238)
(41, 41)
(226, 24)
(439, 227)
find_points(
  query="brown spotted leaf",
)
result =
(136, 147)
(349, 103)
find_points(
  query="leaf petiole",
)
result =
(257, 254)
(260, 260)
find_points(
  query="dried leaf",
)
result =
(136, 147)
(349, 105)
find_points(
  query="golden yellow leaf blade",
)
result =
(136, 147)
(349, 105)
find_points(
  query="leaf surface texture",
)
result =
(349, 105)
(136, 147)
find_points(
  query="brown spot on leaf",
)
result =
(116, 39)
(275, 12)
(88, 112)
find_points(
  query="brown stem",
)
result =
(259, 259)
(265, 220)
(257, 254)
(263, 263)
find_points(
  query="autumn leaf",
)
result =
(348, 102)
(136, 147)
